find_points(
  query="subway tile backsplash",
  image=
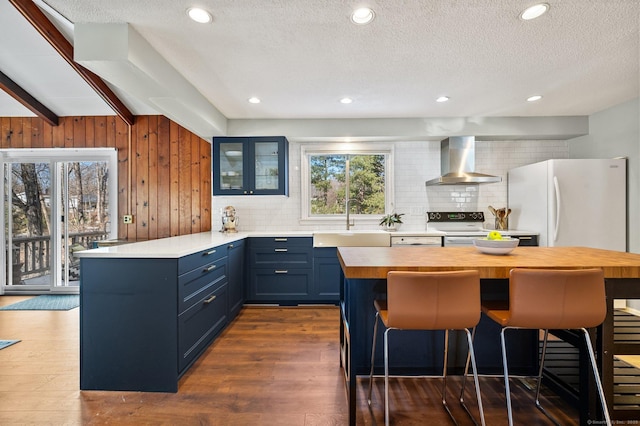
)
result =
(414, 163)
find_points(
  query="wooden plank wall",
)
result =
(170, 187)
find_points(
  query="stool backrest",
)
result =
(556, 298)
(433, 300)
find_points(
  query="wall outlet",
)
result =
(127, 218)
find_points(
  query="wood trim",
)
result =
(41, 23)
(16, 91)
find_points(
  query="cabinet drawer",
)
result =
(194, 284)
(198, 325)
(280, 284)
(280, 242)
(187, 263)
(281, 257)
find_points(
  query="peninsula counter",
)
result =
(365, 270)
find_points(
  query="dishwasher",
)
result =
(416, 240)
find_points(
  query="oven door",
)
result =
(459, 240)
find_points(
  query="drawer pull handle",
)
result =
(525, 238)
(210, 252)
(210, 268)
(211, 299)
(230, 246)
(281, 271)
(279, 239)
(280, 250)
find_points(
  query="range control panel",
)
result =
(455, 217)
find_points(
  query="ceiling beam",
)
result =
(41, 23)
(19, 94)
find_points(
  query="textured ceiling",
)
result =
(302, 56)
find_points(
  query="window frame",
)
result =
(362, 148)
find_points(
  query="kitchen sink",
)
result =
(351, 239)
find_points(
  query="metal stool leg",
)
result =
(594, 367)
(386, 377)
(542, 358)
(466, 369)
(507, 391)
(373, 352)
(475, 379)
(471, 359)
(444, 376)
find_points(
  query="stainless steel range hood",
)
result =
(457, 163)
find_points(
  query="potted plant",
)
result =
(392, 221)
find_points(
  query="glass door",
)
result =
(53, 209)
(266, 166)
(231, 166)
(84, 214)
(27, 224)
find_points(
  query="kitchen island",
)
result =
(365, 270)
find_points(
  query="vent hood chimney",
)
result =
(457, 163)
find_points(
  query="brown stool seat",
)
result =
(429, 301)
(551, 299)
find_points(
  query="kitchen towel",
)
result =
(47, 302)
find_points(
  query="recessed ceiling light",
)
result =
(534, 11)
(254, 100)
(362, 16)
(534, 98)
(346, 100)
(442, 99)
(199, 15)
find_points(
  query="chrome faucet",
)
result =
(348, 207)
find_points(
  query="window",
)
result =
(328, 175)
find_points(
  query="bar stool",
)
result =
(552, 299)
(429, 301)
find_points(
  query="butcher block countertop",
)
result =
(375, 262)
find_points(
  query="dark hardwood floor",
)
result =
(272, 366)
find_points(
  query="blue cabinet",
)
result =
(288, 270)
(202, 302)
(235, 270)
(281, 270)
(326, 274)
(144, 321)
(250, 165)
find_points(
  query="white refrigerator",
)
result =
(571, 202)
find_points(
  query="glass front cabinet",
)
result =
(250, 165)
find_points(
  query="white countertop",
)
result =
(172, 247)
(175, 247)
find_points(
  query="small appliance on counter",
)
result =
(229, 220)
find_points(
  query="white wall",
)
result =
(612, 133)
(615, 132)
(414, 163)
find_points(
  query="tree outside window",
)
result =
(332, 176)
